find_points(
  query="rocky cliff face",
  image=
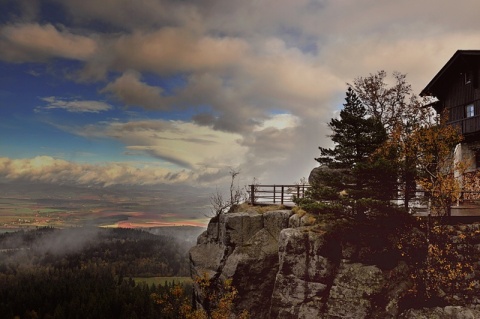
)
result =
(284, 267)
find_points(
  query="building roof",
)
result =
(458, 61)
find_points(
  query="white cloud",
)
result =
(47, 169)
(280, 121)
(183, 144)
(74, 106)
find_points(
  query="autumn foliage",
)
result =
(175, 304)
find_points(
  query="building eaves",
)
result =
(428, 90)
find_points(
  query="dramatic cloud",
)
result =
(217, 84)
(183, 144)
(166, 51)
(35, 42)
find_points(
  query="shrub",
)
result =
(321, 208)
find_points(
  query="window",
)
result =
(469, 110)
(468, 77)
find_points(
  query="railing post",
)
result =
(252, 194)
(298, 191)
(274, 189)
(282, 195)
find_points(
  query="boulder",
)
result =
(298, 220)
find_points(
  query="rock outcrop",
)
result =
(285, 267)
(243, 247)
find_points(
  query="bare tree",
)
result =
(221, 205)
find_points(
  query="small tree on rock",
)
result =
(237, 195)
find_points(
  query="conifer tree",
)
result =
(353, 166)
(401, 113)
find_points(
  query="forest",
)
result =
(86, 272)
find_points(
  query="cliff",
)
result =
(283, 266)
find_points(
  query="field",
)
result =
(31, 206)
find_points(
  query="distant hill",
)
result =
(132, 252)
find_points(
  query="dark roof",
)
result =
(458, 59)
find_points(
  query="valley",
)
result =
(27, 206)
(74, 272)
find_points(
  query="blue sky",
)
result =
(157, 92)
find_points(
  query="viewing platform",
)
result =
(284, 195)
(276, 194)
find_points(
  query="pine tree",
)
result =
(353, 166)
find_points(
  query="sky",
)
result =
(179, 92)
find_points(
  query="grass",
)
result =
(162, 280)
(259, 208)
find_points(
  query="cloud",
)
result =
(129, 89)
(128, 15)
(47, 169)
(33, 42)
(186, 145)
(272, 140)
(279, 144)
(245, 68)
(274, 77)
(165, 51)
(74, 106)
(269, 144)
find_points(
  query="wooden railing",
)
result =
(284, 194)
(276, 194)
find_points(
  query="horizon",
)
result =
(176, 94)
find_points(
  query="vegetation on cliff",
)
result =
(352, 248)
(386, 144)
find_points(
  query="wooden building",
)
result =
(457, 88)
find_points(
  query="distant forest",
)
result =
(85, 272)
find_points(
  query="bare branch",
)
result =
(220, 205)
